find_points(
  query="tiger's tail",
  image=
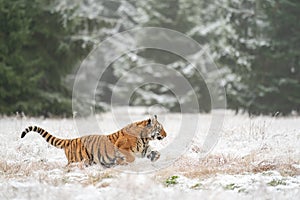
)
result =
(57, 142)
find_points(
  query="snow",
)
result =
(256, 157)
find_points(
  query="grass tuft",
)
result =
(231, 186)
(196, 186)
(171, 180)
(276, 182)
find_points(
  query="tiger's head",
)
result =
(150, 129)
(155, 130)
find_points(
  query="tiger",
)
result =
(118, 148)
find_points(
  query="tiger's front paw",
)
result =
(153, 156)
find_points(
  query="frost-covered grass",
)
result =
(255, 157)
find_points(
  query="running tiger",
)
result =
(117, 148)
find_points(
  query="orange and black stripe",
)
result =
(57, 142)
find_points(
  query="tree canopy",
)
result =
(36, 52)
(254, 43)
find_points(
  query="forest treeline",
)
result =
(255, 43)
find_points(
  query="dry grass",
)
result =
(56, 173)
(221, 164)
(21, 169)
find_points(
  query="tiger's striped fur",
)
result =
(117, 148)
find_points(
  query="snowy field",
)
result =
(255, 158)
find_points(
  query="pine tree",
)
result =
(265, 58)
(36, 53)
(179, 15)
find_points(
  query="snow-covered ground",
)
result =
(257, 157)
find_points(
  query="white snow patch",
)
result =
(32, 169)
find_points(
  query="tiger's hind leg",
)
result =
(84, 163)
(76, 152)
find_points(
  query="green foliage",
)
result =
(265, 58)
(276, 182)
(196, 186)
(36, 52)
(171, 180)
(256, 42)
(180, 16)
(231, 186)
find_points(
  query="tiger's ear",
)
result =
(149, 122)
(154, 118)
